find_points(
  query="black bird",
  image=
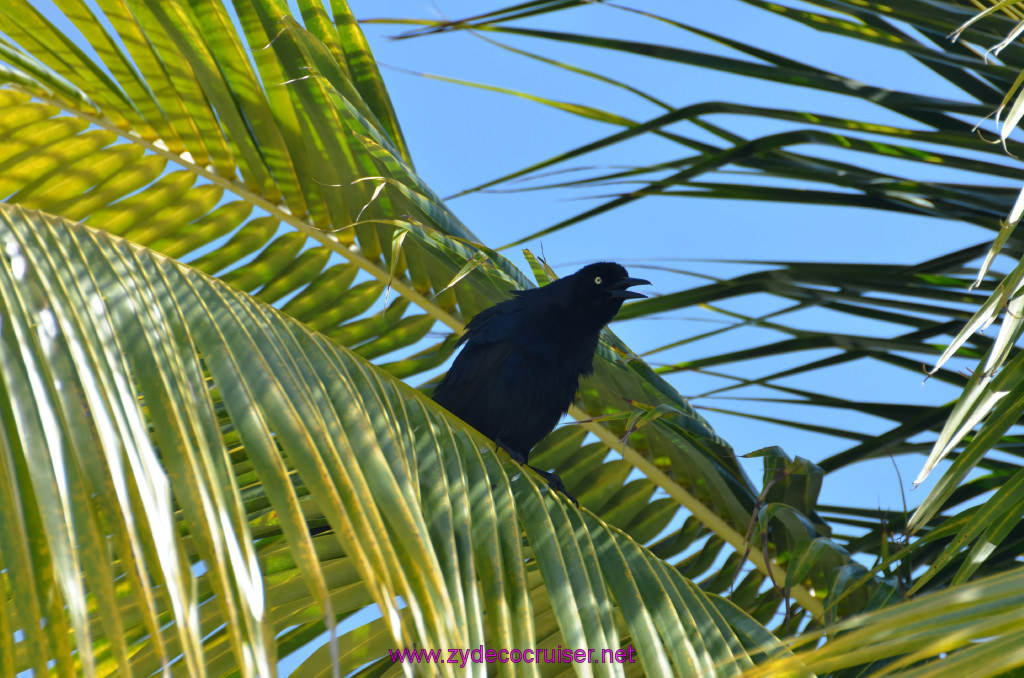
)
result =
(524, 357)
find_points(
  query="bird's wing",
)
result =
(473, 372)
(490, 339)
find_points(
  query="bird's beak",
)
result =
(619, 290)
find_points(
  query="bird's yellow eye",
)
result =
(597, 280)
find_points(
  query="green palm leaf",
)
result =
(209, 482)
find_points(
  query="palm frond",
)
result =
(210, 482)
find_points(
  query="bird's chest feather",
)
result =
(551, 354)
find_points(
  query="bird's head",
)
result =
(599, 289)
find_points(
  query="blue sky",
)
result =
(461, 136)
